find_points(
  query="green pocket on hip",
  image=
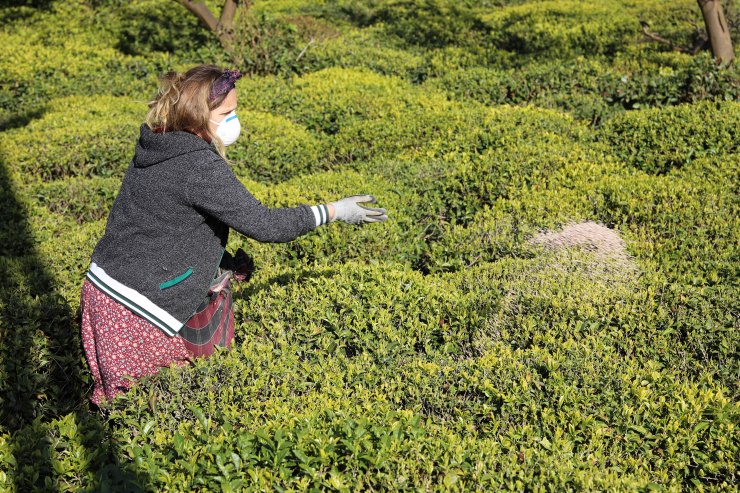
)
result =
(178, 279)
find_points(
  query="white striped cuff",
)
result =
(320, 213)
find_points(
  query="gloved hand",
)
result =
(350, 211)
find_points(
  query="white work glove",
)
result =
(350, 211)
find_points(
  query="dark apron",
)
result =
(213, 322)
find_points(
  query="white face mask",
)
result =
(228, 129)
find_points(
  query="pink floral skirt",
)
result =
(122, 347)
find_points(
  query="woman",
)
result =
(157, 289)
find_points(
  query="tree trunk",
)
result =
(220, 27)
(717, 30)
(226, 22)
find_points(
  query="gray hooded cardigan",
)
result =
(168, 227)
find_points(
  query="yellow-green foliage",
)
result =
(80, 199)
(326, 100)
(274, 148)
(347, 106)
(339, 387)
(365, 48)
(562, 28)
(675, 20)
(342, 243)
(69, 49)
(145, 26)
(658, 140)
(56, 25)
(443, 350)
(76, 136)
(430, 23)
(30, 74)
(594, 91)
(577, 85)
(361, 114)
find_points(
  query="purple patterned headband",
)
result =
(224, 83)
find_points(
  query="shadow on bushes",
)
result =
(146, 27)
(18, 120)
(283, 280)
(37, 4)
(266, 45)
(50, 438)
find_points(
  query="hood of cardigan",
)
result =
(153, 148)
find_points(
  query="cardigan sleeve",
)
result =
(213, 189)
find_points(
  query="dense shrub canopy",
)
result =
(450, 348)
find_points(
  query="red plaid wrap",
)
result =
(213, 322)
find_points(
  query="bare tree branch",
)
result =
(202, 12)
(653, 36)
(223, 27)
(656, 37)
(303, 51)
(226, 22)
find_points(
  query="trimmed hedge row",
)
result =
(76, 136)
(366, 49)
(42, 375)
(431, 23)
(273, 148)
(657, 141)
(685, 221)
(80, 199)
(562, 28)
(529, 373)
(30, 76)
(142, 27)
(362, 115)
(400, 240)
(593, 90)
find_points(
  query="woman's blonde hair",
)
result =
(183, 103)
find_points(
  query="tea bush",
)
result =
(41, 373)
(683, 220)
(365, 49)
(144, 26)
(659, 140)
(593, 90)
(276, 148)
(435, 129)
(80, 199)
(324, 374)
(77, 136)
(335, 102)
(265, 45)
(426, 23)
(561, 28)
(650, 81)
(510, 146)
(29, 76)
(366, 115)
(430, 23)
(74, 19)
(326, 100)
(401, 239)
